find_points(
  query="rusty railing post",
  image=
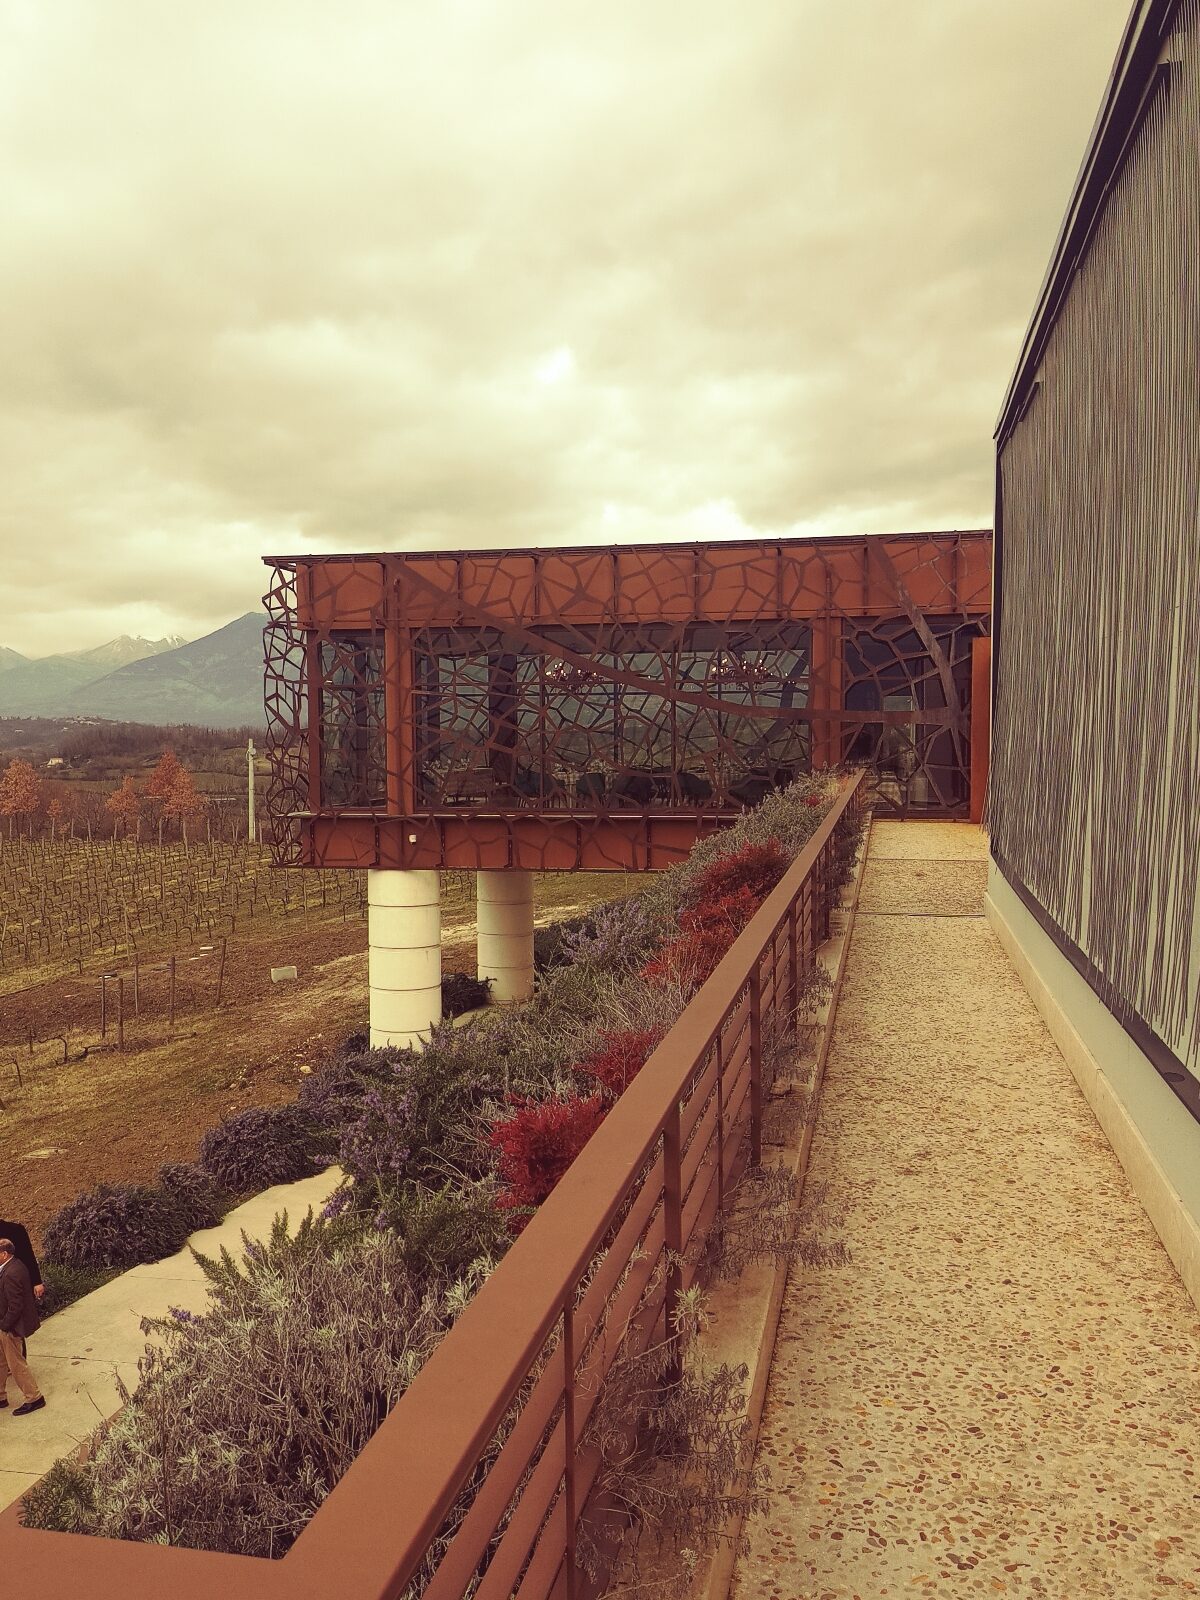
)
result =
(120, 1013)
(103, 1006)
(720, 1049)
(793, 967)
(569, 1498)
(171, 992)
(673, 1233)
(755, 1066)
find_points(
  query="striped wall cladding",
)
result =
(1095, 787)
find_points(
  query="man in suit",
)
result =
(18, 1319)
(24, 1252)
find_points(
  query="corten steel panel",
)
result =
(656, 584)
(732, 583)
(613, 686)
(505, 585)
(1096, 742)
(434, 595)
(348, 595)
(577, 585)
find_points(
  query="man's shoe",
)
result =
(30, 1405)
(3, 1405)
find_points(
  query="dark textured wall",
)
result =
(1095, 798)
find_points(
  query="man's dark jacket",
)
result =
(22, 1249)
(18, 1308)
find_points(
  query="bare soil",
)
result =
(107, 1115)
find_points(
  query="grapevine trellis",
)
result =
(68, 900)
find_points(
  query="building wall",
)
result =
(1094, 812)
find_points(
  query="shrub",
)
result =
(63, 1500)
(756, 868)
(332, 1093)
(250, 1415)
(615, 937)
(549, 949)
(121, 1225)
(462, 993)
(537, 1144)
(423, 1125)
(708, 933)
(201, 1200)
(65, 1285)
(618, 1059)
(446, 1230)
(263, 1146)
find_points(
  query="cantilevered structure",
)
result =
(528, 710)
(596, 708)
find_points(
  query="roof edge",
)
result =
(649, 544)
(1109, 141)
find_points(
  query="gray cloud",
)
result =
(280, 278)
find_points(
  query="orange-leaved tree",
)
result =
(183, 801)
(125, 804)
(160, 784)
(20, 792)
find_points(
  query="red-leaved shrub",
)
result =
(618, 1059)
(707, 932)
(756, 867)
(537, 1144)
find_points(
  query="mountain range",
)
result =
(216, 681)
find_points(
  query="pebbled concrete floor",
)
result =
(1001, 1393)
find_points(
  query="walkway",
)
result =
(1001, 1392)
(77, 1352)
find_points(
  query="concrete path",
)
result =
(1001, 1393)
(77, 1352)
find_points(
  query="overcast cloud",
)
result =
(291, 276)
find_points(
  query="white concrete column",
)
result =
(404, 937)
(504, 909)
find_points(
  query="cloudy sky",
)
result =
(280, 275)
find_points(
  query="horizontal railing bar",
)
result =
(539, 1491)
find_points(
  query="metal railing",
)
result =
(502, 1405)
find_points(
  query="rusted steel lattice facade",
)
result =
(1096, 744)
(599, 708)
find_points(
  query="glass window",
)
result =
(353, 762)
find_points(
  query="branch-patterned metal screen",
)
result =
(1096, 745)
(682, 681)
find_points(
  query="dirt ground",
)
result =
(111, 1116)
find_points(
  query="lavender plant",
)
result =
(247, 1416)
(116, 1225)
(262, 1146)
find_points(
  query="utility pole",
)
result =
(250, 789)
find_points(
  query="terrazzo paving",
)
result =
(1001, 1393)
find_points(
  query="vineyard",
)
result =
(67, 901)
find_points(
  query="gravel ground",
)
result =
(1001, 1392)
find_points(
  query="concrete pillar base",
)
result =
(505, 933)
(404, 938)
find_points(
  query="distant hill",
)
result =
(216, 681)
(120, 652)
(41, 687)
